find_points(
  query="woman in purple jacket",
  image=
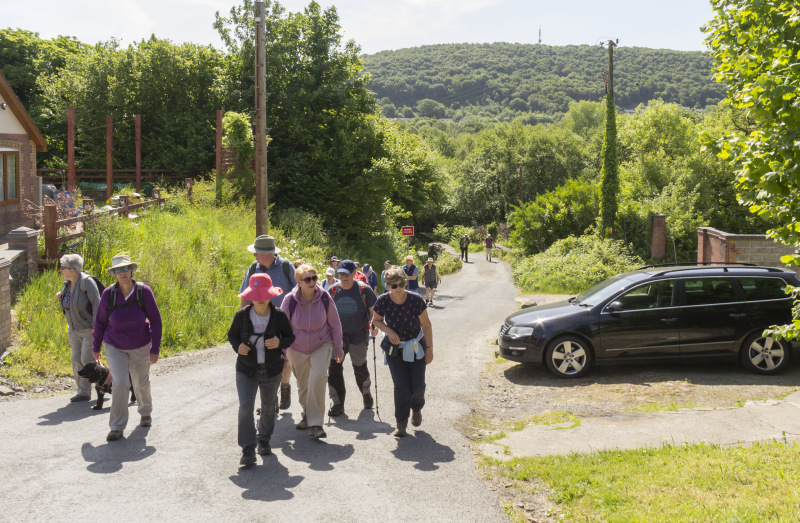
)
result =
(318, 333)
(128, 325)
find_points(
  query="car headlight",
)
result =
(519, 332)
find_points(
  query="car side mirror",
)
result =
(615, 306)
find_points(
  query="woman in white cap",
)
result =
(260, 334)
(128, 326)
(330, 279)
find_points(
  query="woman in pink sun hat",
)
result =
(260, 334)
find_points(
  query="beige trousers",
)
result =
(311, 373)
(137, 363)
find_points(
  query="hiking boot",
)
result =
(146, 421)
(248, 457)
(336, 410)
(79, 397)
(416, 418)
(401, 429)
(318, 432)
(114, 435)
(286, 396)
(303, 425)
(368, 401)
(263, 448)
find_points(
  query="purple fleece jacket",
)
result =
(128, 327)
(313, 326)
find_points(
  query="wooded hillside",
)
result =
(538, 78)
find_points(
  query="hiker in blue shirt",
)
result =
(282, 274)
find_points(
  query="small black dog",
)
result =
(101, 377)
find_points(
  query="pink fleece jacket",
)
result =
(313, 326)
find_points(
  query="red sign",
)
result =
(407, 230)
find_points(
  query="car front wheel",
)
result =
(568, 357)
(765, 355)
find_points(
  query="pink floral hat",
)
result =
(260, 288)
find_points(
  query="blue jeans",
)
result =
(247, 388)
(409, 385)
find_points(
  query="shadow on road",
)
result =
(420, 446)
(536, 375)
(268, 482)
(319, 454)
(365, 426)
(109, 458)
(71, 412)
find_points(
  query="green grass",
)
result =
(672, 483)
(661, 407)
(193, 256)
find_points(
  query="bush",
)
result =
(572, 265)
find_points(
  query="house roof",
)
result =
(22, 115)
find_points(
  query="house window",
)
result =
(9, 177)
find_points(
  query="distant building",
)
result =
(20, 140)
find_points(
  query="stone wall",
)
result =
(5, 305)
(722, 247)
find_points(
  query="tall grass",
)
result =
(193, 255)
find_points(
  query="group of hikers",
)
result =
(464, 242)
(290, 321)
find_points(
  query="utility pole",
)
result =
(611, 46)
(260, 134)
(520, 183)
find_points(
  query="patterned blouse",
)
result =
(403, 319)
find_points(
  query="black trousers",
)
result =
(358, 357)
(465, 253)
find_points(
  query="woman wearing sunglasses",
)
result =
(318, 335)
(128, 326)
(408, 345)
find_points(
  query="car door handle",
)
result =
(737, 316)
(669, 320)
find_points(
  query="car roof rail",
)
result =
(689, 266)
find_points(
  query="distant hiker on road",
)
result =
(372, 278)
(318, 338)
(488, 243)
(386, 266)
(79, 299)
(334, 263)
(354, 301)
(464, 244)
(412, 273)
(408, 345)
(259, 334)
(330, 279)
(281, 273)
(430, 275)
(128, 326)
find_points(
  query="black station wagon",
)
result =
(659, 314)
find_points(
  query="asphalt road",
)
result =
(55, 463)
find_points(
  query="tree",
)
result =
(609, 173)
(755, 44)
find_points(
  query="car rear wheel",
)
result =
(568, 357)
(765, 355)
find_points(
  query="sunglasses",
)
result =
(309, 279)
(64, 268)
(121, 269)
(396, 285)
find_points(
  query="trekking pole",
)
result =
(375, 373)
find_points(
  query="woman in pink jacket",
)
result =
(318, 333)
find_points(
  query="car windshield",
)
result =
(606, 288)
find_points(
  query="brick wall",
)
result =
(5, 304)
(719, 246)
(12, 216)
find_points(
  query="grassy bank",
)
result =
(673, 483)
(194, 256)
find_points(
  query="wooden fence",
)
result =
(52, 225)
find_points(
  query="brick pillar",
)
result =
(658, 240)
(701, 244)
(5, 304)
(25, 239)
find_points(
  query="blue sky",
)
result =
(378, 25)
